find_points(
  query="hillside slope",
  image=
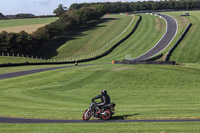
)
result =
(148, 33)
(188, 49)
(93, 38)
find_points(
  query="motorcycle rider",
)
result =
(105, 99)
(76, 63)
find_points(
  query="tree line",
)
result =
(1, 15)
(67, 24)
(117, 7)
(77, 16)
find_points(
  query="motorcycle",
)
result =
(76, 63)
(105, 112)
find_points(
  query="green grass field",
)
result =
(23, 22)
(94, 39)
(151, 92)
(27, 25)
(183, 127)
(139, 91)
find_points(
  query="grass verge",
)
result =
(141, 92)
(173, 127)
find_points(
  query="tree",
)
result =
(60, 10)
(1, 15)
(4, 45)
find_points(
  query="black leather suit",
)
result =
(105, 99)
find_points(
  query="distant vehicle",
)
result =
(106, 112)
(76, 63)
(186, 14)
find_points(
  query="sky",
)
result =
(41, 7)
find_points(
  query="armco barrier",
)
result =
(83, 60)
(146, 62)
(178, 42)
(155, 57)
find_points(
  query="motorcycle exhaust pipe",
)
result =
(104, 113)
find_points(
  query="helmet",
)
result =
(104, 92)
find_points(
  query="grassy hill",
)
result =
(108, 31)
(149, 32)
(28, 25)
(91, 39)
(89, 42)
(146, 36)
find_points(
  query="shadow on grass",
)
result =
(122, 117)
(50, 49)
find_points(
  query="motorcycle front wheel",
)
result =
(86, 115)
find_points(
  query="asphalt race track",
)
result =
(19, 120)
(169, 35)
(21, 73)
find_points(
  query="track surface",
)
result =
(169, 35)
(18, 120)
(21, 73)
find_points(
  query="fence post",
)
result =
(13, 54)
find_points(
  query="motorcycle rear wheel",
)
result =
(86, 115)
(107, 115)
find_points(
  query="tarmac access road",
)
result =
(171, 31)
(20, 120)
(22, 73)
